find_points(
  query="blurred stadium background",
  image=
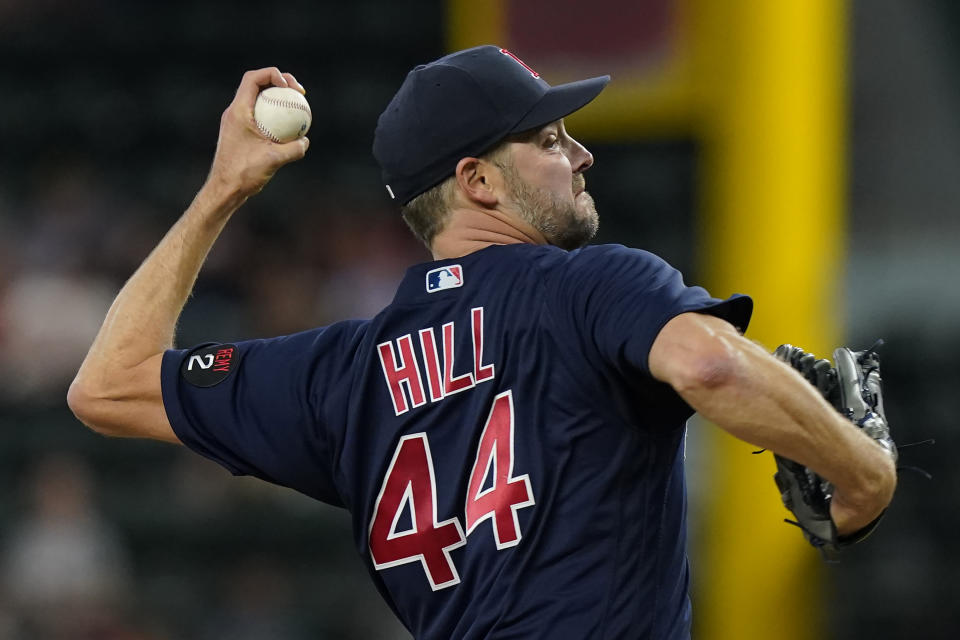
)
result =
(805, 151)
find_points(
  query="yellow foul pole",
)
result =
(772, 226)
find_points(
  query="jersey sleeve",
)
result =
(620, 298)
(259, 407)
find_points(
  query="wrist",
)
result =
(218, 199)
(853, 510)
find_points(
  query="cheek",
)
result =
(549, 172)
(558, 177)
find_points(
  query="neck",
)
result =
(470, 230)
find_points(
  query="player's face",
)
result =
(543, 171)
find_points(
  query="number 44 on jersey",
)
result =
(410, 486)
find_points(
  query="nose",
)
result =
(580, 158)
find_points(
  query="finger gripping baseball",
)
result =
(853, 387)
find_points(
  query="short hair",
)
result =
(427, 213)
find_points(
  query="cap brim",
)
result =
(561, 101)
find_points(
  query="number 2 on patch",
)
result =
(410, 484)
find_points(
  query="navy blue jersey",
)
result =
(512, 468)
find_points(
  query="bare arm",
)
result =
(753, 396)
(117, 389)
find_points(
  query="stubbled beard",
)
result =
(560, 221)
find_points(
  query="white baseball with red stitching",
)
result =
(282, 114)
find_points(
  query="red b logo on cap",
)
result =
(522, 63)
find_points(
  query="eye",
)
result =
(551, 141)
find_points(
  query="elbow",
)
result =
(123, 403)
(87, 405)
(708, 370)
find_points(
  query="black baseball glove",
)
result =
(853, 388)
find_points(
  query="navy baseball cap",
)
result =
(461, 106)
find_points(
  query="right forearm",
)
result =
(117, 389)
(143, 317)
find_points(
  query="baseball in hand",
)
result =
(282, 114)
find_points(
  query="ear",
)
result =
(479, 181)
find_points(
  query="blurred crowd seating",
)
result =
(108, 118)
(105, 538)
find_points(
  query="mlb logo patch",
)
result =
(449, 277)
